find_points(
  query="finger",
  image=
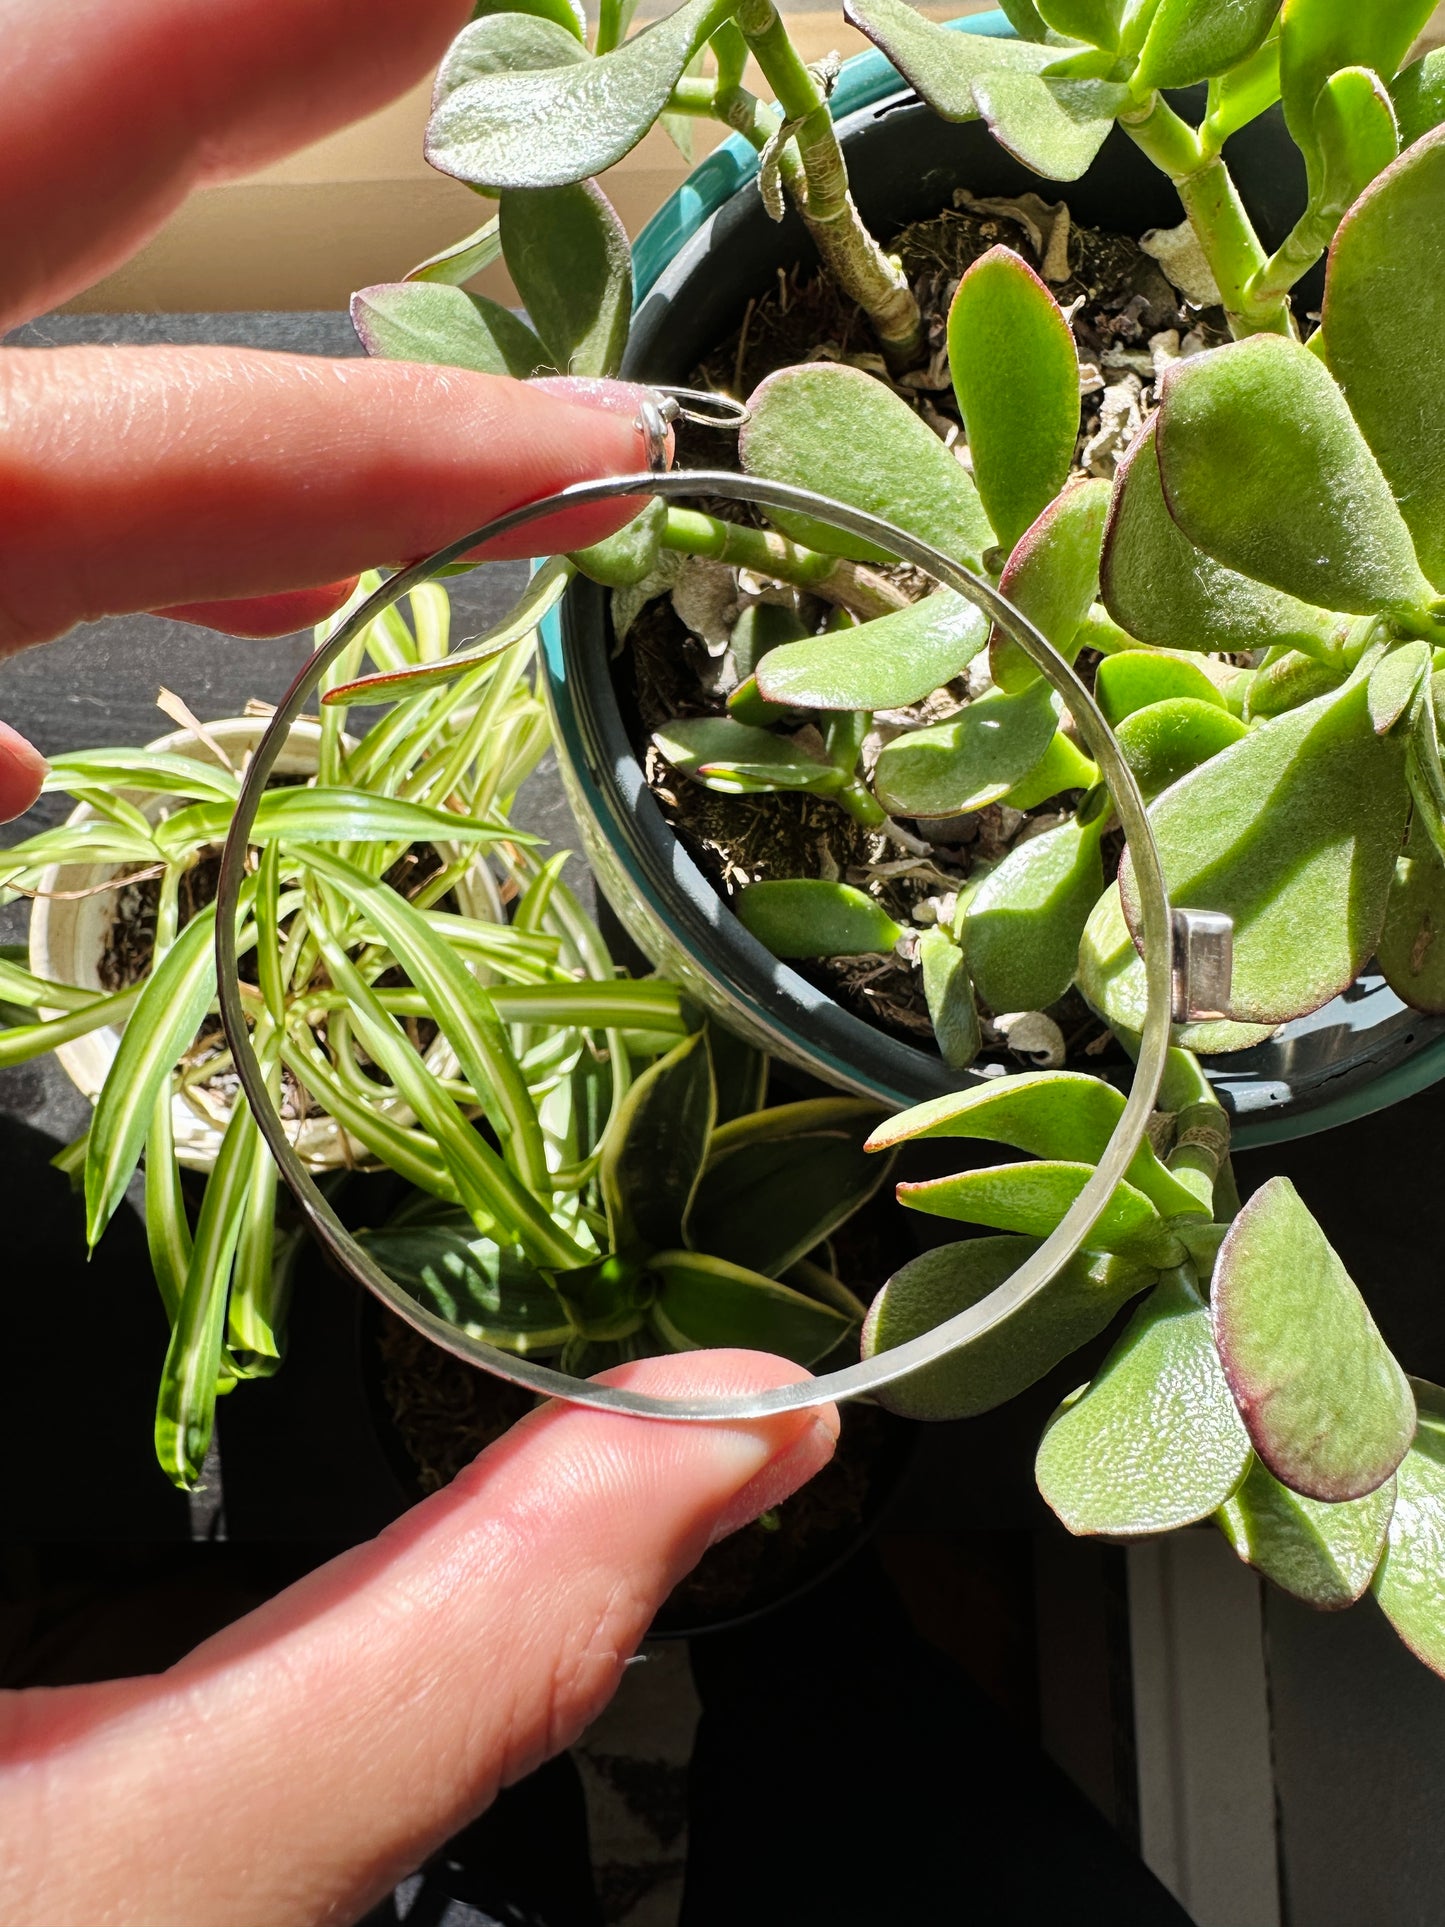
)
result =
(298, 1764)
(266, 615)
(115, 112)
(22, 770)
(138, 479)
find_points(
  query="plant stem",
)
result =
(850, 253)
(849, 584)
(1216, 213)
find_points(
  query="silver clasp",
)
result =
(1201, 965)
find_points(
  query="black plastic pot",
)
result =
(697, 264)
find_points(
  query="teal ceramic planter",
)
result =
(695, 266)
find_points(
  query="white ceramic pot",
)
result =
(69, 934)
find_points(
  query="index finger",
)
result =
(113, 113)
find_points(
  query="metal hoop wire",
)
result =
(855, 1380)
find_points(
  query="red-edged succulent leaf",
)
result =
(1163, 590)
(739, 758)
(1056, 127)
(1016, 375)
(427, 321)
(1408, 1583)
(837, 430)
(1020, 929)
(1293, 832)
(569, 259)
(988, 1371)
(1411, 950)
(1419, 96)
(1319, 37)
(1154, 1442)
(1264, 469)
(1135, 678)
(1325, 1555)
(1327, 1408)
(1052, 577)
(940, 63)
(1385, 326)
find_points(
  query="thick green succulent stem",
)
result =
(836, 580)
(1201, 1125)
(1216, 213)
(849, 252)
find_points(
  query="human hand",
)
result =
(218, 484)
(292, 1768)
(298, 1764)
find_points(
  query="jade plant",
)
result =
(1250, 1386)
(423, 981)
(1256, 592)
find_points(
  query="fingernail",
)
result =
(780, 1478)
(618, 397)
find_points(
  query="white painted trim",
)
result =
(1202, 1727)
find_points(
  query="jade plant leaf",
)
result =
(941, 64)
(1032, 1198)
(488, 1290)
(971, 760)
(1410, 952)
(837, 430)
(809, 917)
(1056, 127)
(1111, 977)
(1025, 19)
(1154, 1442)
(652, 1161)
(1356, 137)
(454, 266)
(948, 993)
(1407, 1584)
(1135, 678)
(1193, 40)
(1052, 578)
(516, 107)
(427, 321)
(1244, 93)
(759, 630)
(738, 758)
(564, 12)
(619, 561)
(988, 1371)
(1289, 682)
(1052, 1114)
(1385, 324)
(1394, 683)
(1264, 469)
(1325, 1555)
(1319, 37)
(778, 1183)
(1168, 739)
(883, 664)
(1329, 1411)
(1293, 832)
(1096, 22)
(1161, 588)
(1020, 929)
(704, 1302)
(1061, 767)
(1419, 96)
(1016, 376)
(571, 264)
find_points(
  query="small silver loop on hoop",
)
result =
(653, 419)
(853, 1381)
(707, 408)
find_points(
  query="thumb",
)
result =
(295, 1766)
